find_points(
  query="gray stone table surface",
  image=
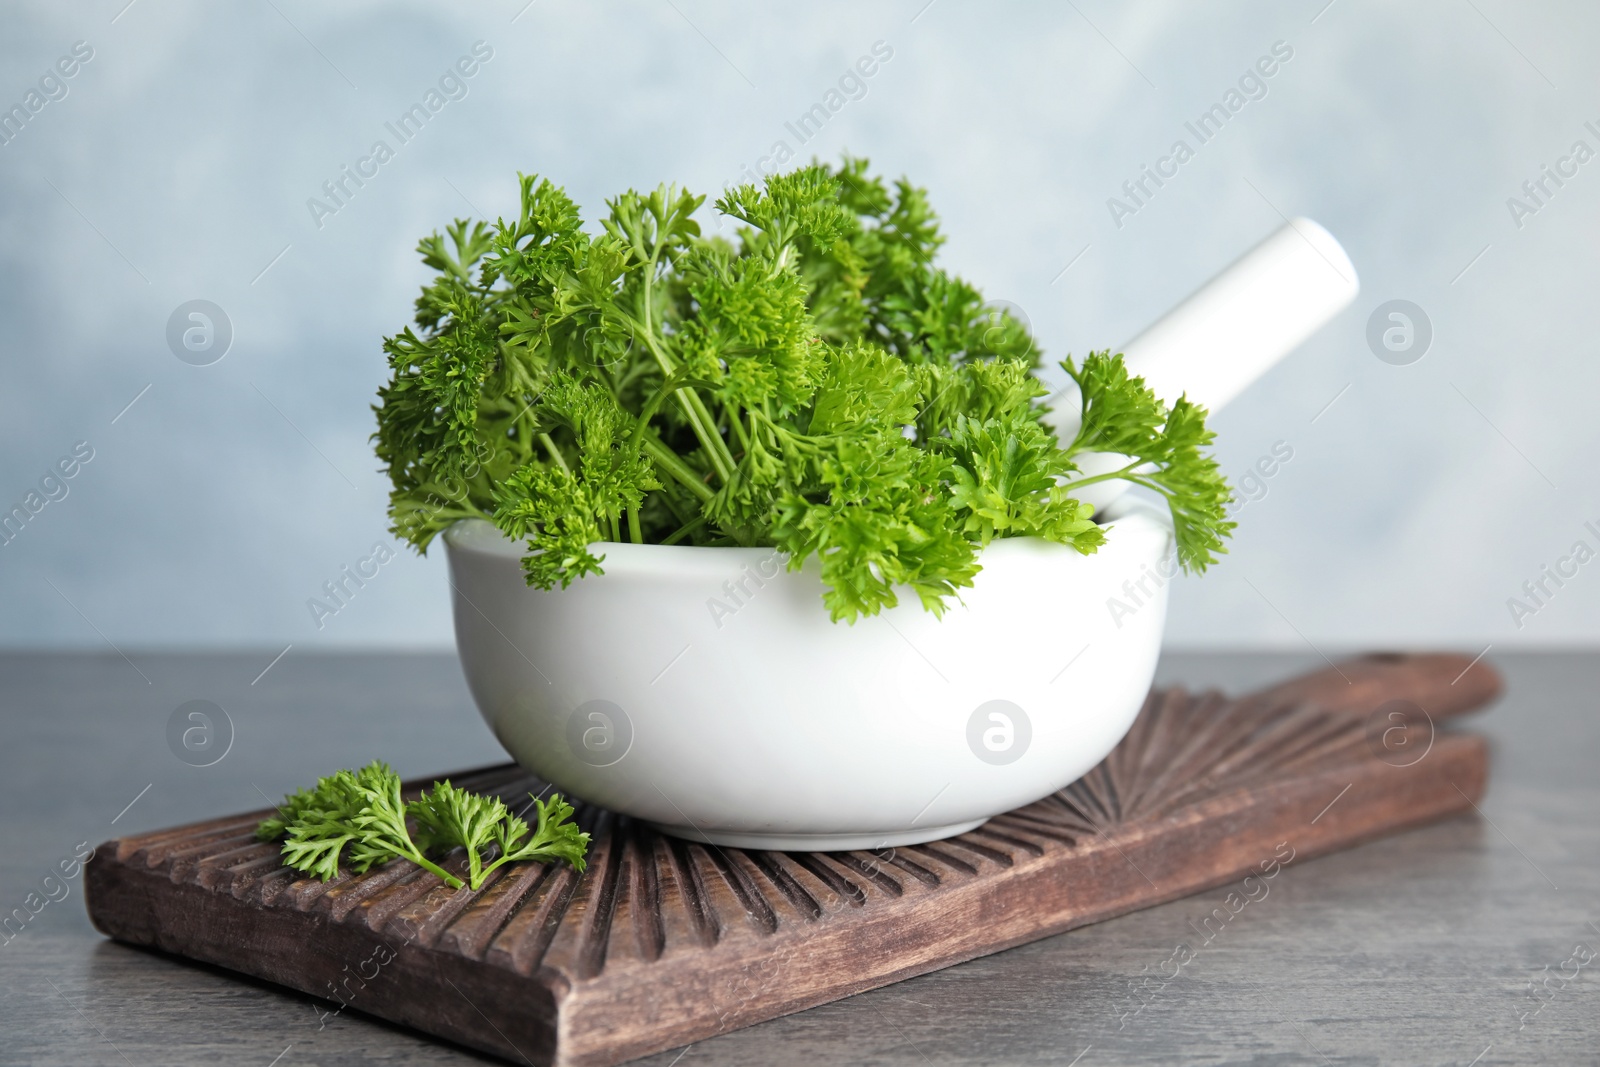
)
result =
(1453, 944)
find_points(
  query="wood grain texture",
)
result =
(662, 942)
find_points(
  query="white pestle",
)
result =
(1227, 333)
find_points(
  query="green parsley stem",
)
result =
(699, 419)
(428, 865)
(555, 453)
(738, 428)
(1121, 472)
(706, 430)
(684, 531)
(674, 465)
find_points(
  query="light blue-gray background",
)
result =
(180, 162)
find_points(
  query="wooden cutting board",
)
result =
(662, 942)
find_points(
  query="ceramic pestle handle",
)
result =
(1230, 331)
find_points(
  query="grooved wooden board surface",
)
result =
(662, 942)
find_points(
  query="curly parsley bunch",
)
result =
(355, 819)
(816, 385)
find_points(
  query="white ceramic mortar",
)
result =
(749, 718)
(706, 691)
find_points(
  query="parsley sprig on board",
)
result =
(358, 818)
(813, 383)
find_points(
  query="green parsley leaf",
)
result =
(359, 818)
(813, 383)
(1121, 415)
